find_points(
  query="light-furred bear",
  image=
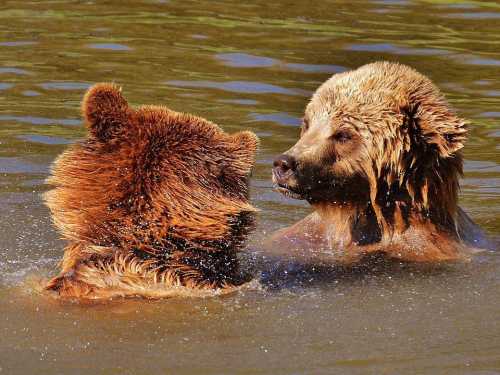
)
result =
(379, 159)
(153, 203)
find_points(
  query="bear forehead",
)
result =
(380, 85)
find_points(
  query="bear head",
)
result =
(151, 179)
(381, 135)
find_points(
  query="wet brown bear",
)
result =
(153, 202)
(379, 160)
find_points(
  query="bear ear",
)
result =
(244, 150)
(434, 124)
(105, 111)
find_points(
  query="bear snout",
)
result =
(284, 176)
(283, 168)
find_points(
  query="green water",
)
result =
(245, 65)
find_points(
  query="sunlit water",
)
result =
(245, 65)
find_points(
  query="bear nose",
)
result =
(283, 164)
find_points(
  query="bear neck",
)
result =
(347, 223)
(399, 211)
(360, 224)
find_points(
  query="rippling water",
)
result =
(243, 65)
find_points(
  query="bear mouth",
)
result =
(287, 191)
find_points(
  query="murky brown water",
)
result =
(248, 64)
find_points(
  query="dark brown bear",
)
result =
(153, 202)
(379, 158)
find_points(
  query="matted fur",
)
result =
(379, 159)
(153, 202)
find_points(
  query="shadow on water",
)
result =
(278, 274)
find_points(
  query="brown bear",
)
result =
(153, 202)
(379, 160)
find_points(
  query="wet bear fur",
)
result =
(379, 159)
(153, 203)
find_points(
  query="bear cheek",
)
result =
(223, 174)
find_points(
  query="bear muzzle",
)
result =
(284, 176)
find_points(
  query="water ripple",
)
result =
(17, 165)
(475, 60)
(474, 16)
(110, 46)
(278, 118)
(240, 101)
(65, 85)
(5, 86)
(397, 50)
(248, 87)
(11, 70)
(244, 60)
(316, 68)
(45, 139)
(31, 93)
(17, 43)
(493, 114)
(41, 120)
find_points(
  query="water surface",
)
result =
(245, 65)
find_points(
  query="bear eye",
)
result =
(342, 136)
